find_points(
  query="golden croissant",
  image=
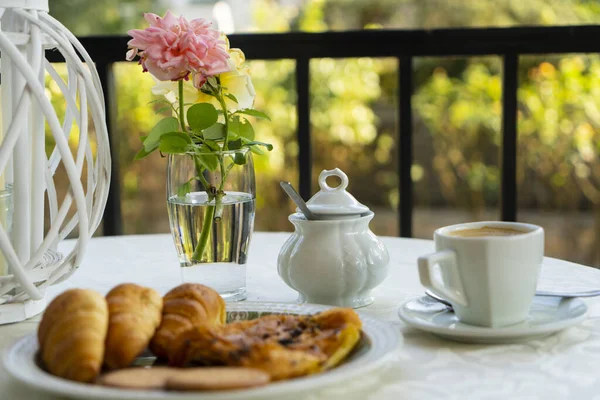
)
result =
(184, 307)
(285, 346)
(71, 335)
(134, 314)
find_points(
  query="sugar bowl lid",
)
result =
(335, 201)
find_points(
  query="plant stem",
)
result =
(208, 215)
(212, 213)
(224, 107)
(220, 193)
(204, 235)
(218, 207)
(210, 210)
(201, 177)
(181, 113)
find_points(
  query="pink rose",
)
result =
(172, 48)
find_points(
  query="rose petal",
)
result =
(151, 18)
(174, 47)
(131, 54)
(199, 80)
(169, 21)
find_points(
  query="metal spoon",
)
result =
(589, 293)
(299, 201)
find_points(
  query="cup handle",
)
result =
(442, 289)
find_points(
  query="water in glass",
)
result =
(223, 265)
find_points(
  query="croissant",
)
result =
(285, 346)
(71, 335)
(184, 307)
(134, 314)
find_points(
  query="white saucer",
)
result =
(548, 315)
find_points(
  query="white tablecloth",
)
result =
(563, 366)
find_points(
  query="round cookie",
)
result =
(138, 378)
(217, 378)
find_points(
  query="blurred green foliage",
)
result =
(457, 116)
(457, 111)
(558, 122)
(85, 17)
(465, 115)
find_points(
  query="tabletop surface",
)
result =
(561, 366)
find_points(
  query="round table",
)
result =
(562, 366)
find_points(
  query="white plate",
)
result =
(547, 315)
(380, 339)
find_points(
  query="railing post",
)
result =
(303, 127)
(508, 192)
(112, 220)
(405, 91)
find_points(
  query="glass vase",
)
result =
(211, 203)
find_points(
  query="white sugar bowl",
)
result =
(335, 259)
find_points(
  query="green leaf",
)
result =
(212, 81)
(212, 145)
(163, 109)
(256, 143)
(214, 132)
(234, 125)
(201, 116)
(163, 126)
(241, 127)
(184, 189)
(257, 150)
(235, 144)
(247, 130)
(208, 92)
(159, 101)
(142, 154)
(233, 135)
(175, 142)
(254, 113)
(208, 161)
(239, 158)
(232, 98)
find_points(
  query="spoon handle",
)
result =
(589, 293)
(289, 189)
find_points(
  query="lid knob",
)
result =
(332, 202)
(333, 172)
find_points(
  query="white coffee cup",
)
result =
(489, 280)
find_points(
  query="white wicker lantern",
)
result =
(81, 154)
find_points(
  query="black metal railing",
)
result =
(405, 45)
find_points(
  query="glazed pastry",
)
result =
(340, 333)
(134, 314)
(285, 346)
(185, 307)
(71, 335)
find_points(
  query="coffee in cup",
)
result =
(486, 231)
(489, 270)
